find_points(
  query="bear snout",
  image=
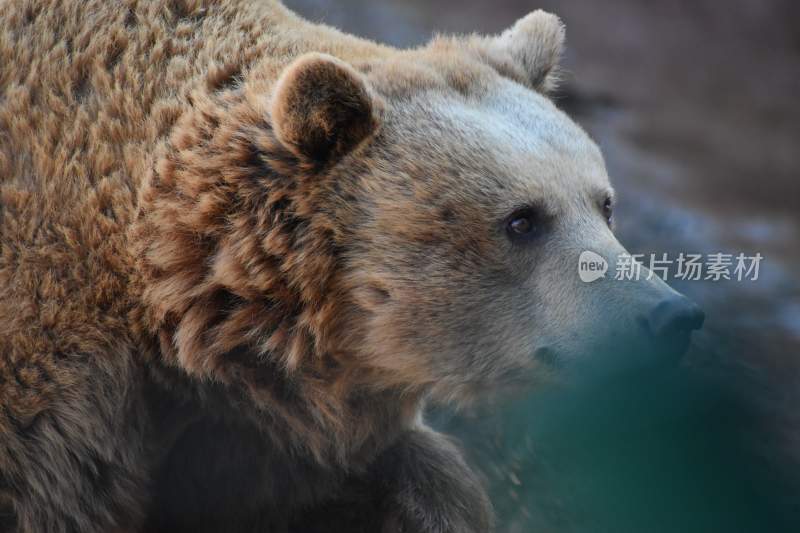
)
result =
(670, 322)
(676, 315)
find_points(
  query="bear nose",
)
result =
(675, 316)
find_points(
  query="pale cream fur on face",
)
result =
(483, 155)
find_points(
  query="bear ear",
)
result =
(530, 50)
(321, 108)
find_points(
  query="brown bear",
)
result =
(239, 253)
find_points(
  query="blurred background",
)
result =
(696, 105)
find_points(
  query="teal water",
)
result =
(675, 452)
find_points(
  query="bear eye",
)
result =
(523, 224)
(608, 209)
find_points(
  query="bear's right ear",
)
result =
(528, 52)
(322, 108)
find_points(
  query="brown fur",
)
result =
(175, 217)
(322, 125)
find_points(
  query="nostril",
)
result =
(675, 316)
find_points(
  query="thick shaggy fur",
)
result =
(179, 341)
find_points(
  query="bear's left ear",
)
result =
(528, 52)
(321, 108)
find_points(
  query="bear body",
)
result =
(240, 251)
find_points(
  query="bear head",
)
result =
(408, 221)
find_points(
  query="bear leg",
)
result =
(430, 488)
